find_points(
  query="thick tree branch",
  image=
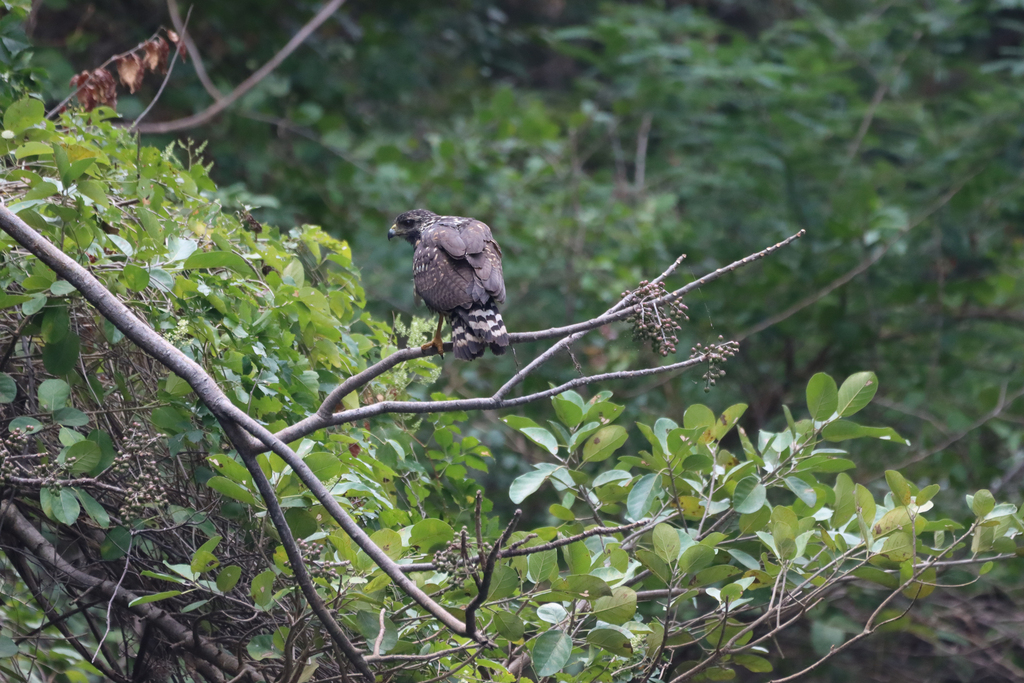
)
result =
(218, 403)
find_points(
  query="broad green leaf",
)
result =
(551, 652)
(604, 443)
(228, 578)
(525, 484)
(642, 495)
(749, 496)
(84, 456)
(135, 278)
(542, 438)
(262, 587)
(585, 586)
(658, 566)
(617, 608)
(845, 503)
(612, 640)
(802, 490)
(53, 394)
(430, 533)
(856, 392)
(666, 542)
(23, 114)
(8, 388)
(60, 357)
(822, 397)
(899, 487)
(569, 408)
(155, 597)
(231, 490)
(541, 565)
(93, 508)
(508, 625)
(219, 259)
(65, 506)
(983, 503)
(695, 558)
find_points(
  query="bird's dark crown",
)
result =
(411, 223)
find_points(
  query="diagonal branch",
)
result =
(248, 84)
(146, 338)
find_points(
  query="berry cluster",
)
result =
(137, 462)
(716, 355)
(653, 321)
(449, 558)
(317, 563)
(14, 443)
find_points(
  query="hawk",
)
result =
(456, 266)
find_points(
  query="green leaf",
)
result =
(23, 114)
(32, 149)
(219, 259)
(430, 533)
(612, 640)
(231, 490)
(666, 542)
(390, 541)
(228, 578)
(856, 392)
(93, 508)
(53, 394)
(153, 598)
(822, 397)
(526, 484)
(508, 625)
(262, 587)
(135, 278)
(65, 507)
(802, 490)
(983, 503)
(97, 191)
(617, 608)
(698, 415)
(86, 456)
(843, 430)
(8, 388)
(845, 503)
(569, 408)
(695, 558)
(643, 495)
(551, 652)
(542, 438)
(749, 496)
(8, 648)
(583, 586)
(899, 487)
(55, 324)
(60, 357)
(540, 566)
(325, 466)
(604, 443)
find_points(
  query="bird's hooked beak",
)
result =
(391, 233)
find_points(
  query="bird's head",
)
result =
(409, 224)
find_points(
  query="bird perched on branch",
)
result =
(456, 266)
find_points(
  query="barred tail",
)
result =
(475, 329)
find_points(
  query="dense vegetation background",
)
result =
(599, 140)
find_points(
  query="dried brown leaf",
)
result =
(130, 69)
(155, 58)
(86, 90)
(106, 87)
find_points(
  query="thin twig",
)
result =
(208, 114)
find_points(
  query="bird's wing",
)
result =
(458, 263)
